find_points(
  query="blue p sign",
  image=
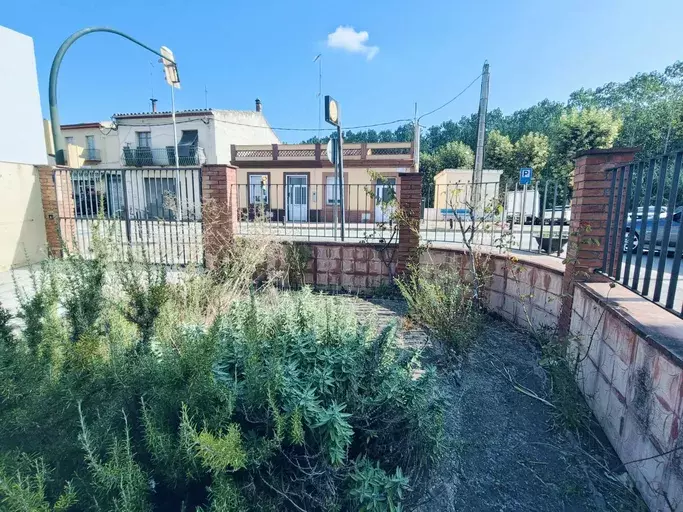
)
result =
(525, 174)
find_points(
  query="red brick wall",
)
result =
(588, 225)
(219, 210)
(410, 203)
(56, 193)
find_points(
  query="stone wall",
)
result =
(351, 268)
(632, 378)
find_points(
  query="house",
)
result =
(145, 139)
(22, 229)
(295, 182)
(453, 188)
(142, 143)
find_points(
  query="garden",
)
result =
(131, 387)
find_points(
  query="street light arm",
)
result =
(54, 72)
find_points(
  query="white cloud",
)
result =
(348, 39)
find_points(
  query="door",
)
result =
(297, 198)
(385, 195)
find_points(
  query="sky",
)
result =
(379, 57)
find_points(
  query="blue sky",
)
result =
(413, 51)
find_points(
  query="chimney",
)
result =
(258, 105)
(154, 104)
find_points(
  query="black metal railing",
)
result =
(162, 157)
(644, 245)
(298, 210)
(91, 155)
(153, 214)
(531, 219)
(509, 216)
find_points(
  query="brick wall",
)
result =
(588, 225)
(351, 268)
(410, 201)
(56, 193)
(219, 210)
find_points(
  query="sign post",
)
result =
(332, 156)
(332, 116)
(525, 175)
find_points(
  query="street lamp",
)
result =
(54, 72)
(332, 116)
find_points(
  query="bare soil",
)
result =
(505, 449)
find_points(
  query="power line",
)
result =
(452, 99)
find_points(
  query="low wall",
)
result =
(353, 268)
(22, 228)
(630, 351)
(631, 374)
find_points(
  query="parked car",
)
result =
(650, 213)
(554, 215)
(649, 223)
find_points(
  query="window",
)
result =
(144, 139)
(69, 140)
(258, 188)
(331, 195)
(90, 141)
(161, 198)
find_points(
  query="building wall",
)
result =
(453, 187)
(22, 229)
(161, 129)
(239, 127)
(106, 141)
(359, 187)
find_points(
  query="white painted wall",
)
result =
(106, 141)
(21, 121)
(240, 127)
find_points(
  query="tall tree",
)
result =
(500, 154)
(578, 130)
(532, 150)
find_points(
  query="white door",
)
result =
(297, 198)
(385, 195)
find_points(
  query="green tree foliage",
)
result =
(578, 130)
(275, 405)
(532, 150)
(500, 154)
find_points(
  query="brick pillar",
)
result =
(219, 210)
(56, 193)
(588, 225)
(410, 203)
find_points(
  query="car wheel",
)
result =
(634, 243)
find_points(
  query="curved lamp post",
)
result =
(54, 71)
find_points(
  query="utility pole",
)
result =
(478, 174)
(416, 141)
(319, 60)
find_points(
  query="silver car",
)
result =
(647, 238)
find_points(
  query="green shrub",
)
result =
(282, 402)
(441, 301)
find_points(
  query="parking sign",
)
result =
(525, 174)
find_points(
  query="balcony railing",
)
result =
(188, 156)
(395, 153)
(91, 155)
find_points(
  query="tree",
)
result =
(532, 150)
(578, 130)
(455, 155)
(500, 154)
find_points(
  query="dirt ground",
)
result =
(505, 451)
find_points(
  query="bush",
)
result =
(284, 403)
(443, 303)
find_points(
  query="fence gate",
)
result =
(148, 214)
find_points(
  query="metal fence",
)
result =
(298, 210)
(530, 218)
(527, 218)
(149, 214)
(644, 248)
